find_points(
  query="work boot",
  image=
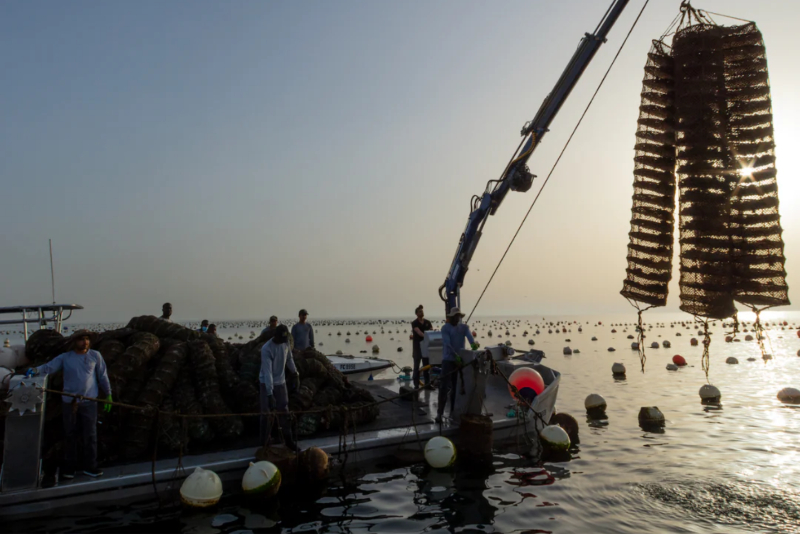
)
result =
(94, 473)
(67, 475)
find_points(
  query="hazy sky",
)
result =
(247, 158)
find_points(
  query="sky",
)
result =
(245, 158)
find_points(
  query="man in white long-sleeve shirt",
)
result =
(276, 356)
(85, 374)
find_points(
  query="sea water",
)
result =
(713, 469)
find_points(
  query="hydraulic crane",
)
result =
(517, 176)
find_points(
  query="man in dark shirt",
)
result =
(418, 329)
(166, 312)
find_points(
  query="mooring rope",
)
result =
(553, 168)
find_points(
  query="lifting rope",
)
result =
(553, 168)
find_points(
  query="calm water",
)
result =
(729, 469)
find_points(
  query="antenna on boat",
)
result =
(52, 274)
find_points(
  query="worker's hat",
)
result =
(78, 334)
(455, 311)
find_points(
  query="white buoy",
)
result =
(672, 367)
(618, 369)
(710, 393)
(731, 360)
(5, 378)
(201, 489)
(789, 395)
(651, 416)
(262, 477)
(567, 351)
(440, 452)
(555, 438)
(595, 403)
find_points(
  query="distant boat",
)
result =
(359, 367)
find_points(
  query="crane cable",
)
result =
(580, 120)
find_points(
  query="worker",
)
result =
(203, 326)
(276, 358)
(273, 324)
(166, 312)
(212, 330)
(85, 374)
(303, 332)
(418, 327)
(454, 333)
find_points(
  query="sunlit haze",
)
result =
(240, 159)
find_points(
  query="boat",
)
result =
(40, 314)
(404, 425)
(356, 368)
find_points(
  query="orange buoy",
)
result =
(679, 360)
(529, 383)
(369, 339)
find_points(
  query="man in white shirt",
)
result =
(276, 357)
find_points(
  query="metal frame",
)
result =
(39, 315)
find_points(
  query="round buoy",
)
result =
(595, 404)
(651, 416)
(347, 340)
(679, 360)
(709, 393)
(748, 337)
(376, 349)
(654, 345)
(767, 356)
(789, 395)
(314, 465)
(339, 353)
(618, 369)
(399, 349)
(666, 344)
(567, 351)
(731, 360)
(369, 339)
(611, 349)
(554, 438)
(634, 346)
(576, 351)
(201, 489)
(693, 342)
(594, 338)
(262, 478)
(530, 342)
(672, 367)
(529, 383)
(751, 359)
(440, 452)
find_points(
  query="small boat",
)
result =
(355, 367)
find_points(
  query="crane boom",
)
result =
(516, 175)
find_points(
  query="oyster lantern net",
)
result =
(705, 124)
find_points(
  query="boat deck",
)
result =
(392, 431)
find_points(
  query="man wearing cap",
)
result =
(273, 324)
(84, 374)
(276, 357)
(418, 329)
(303, 332)
(454, 333)
(166, 312)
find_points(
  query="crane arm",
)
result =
(516, 175)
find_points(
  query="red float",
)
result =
(526, 378)
(679, 360)
(369, 339)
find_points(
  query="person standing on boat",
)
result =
(454, 333)
(203, 326)
(303, 332)
(166, 312)
(212, 330)
(276, 357)
(85, 374)
(419, 326)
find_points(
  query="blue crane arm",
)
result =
(516, 175)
